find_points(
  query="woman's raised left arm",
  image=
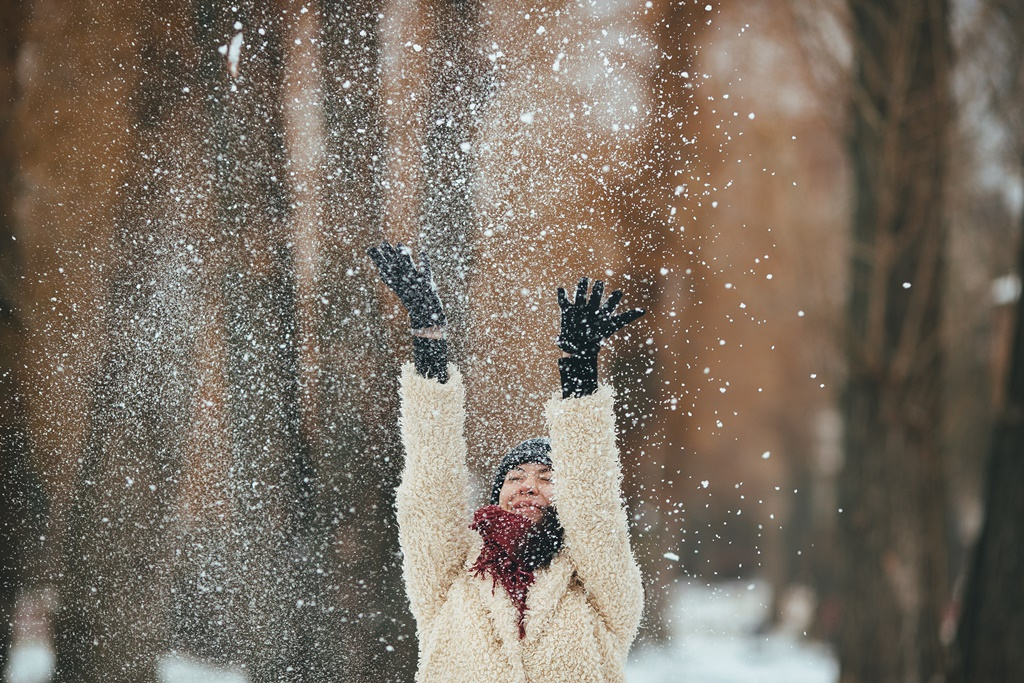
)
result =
(585, 459)
(588, 477)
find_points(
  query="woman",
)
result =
(540, 585)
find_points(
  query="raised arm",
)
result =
(587, 479)
(431, 498)
(585, 459)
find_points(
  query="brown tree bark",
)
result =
(891, 488)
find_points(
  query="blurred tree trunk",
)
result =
(20, 493)
(891, 489)
(457, 94)
(357, 450)
(654, 238)
(267, 585)
(991, 628)
(115, 592)
(307, 580)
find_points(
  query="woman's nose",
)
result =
(527, 485)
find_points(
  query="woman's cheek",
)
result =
(548, 492)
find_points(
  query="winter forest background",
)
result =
(818, 201)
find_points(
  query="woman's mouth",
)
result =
(529, 510)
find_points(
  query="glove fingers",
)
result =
(595, 295)
(612, 302)
(390, 262)
(563, 300)
(380, 253)
(581, 292)
(383, 264)
(425, 266)
(403, 261)
(620, 321)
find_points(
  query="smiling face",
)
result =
(527, 490)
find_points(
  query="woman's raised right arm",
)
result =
(431, 498)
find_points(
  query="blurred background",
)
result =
(818, 202)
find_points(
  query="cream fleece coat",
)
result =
(583, 610)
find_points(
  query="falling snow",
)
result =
(204, 364)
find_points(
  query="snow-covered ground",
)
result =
(33, 663)
(714, 639)
(184, 670)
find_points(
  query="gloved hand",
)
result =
(414, 286)
(586, 323)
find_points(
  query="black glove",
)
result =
(414, 286)
(415, 289)
(586, 323)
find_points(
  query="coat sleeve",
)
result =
(431, 499)
(587, 479)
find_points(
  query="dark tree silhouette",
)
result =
(991, 624)
(891, 491)
(264, 568)
(458, 89)
(15, 517)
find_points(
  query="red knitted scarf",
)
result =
(505, 534)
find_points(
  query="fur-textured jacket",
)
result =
(583, 610)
